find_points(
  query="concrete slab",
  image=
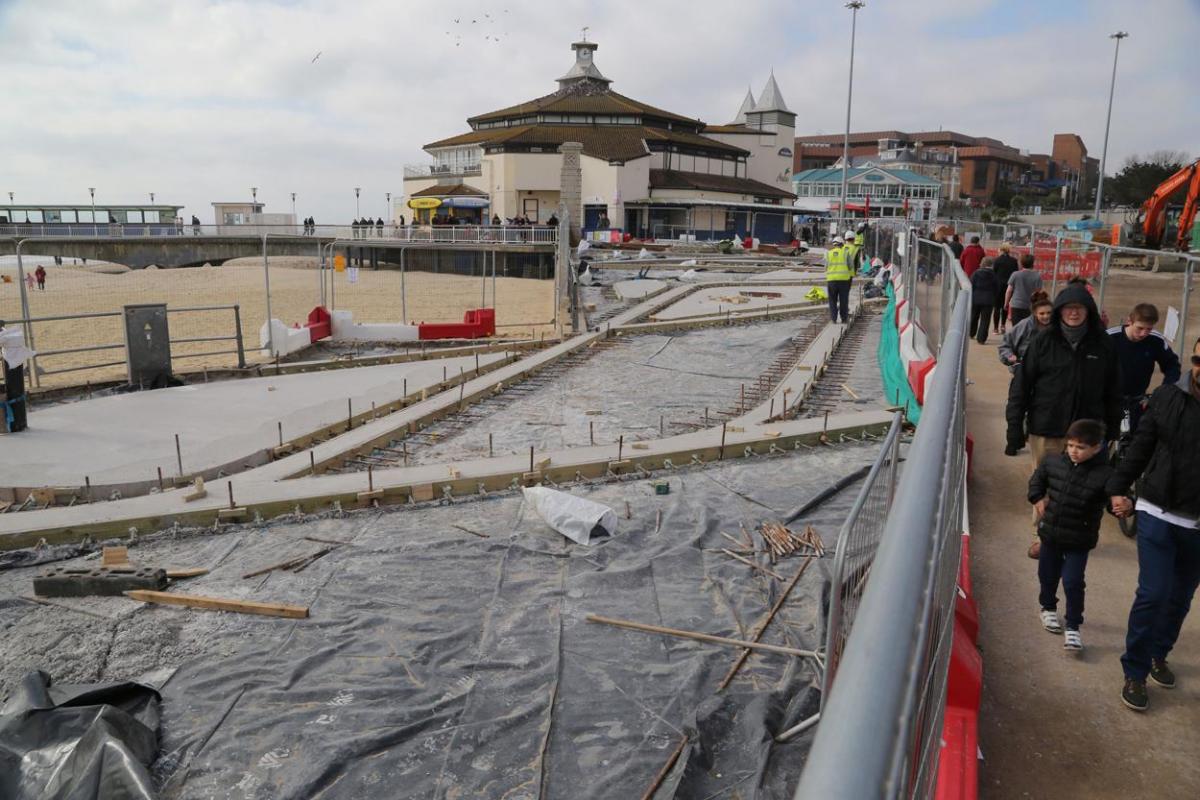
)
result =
(638, 289)
(718, 299)
(126, 438)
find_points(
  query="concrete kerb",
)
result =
(474, 478)
(719, 320)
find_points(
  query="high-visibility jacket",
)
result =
(837, 268)
(854, 256)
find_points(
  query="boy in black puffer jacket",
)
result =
(1067, 491)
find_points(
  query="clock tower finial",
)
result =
(585, 30)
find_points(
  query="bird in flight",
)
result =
(318, 55)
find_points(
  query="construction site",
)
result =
(594, 564)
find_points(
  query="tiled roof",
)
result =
(606, 142)
(452, 190)
(607, 102)
(673, 179)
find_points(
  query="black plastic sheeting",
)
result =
(438, 664)
(78, 742)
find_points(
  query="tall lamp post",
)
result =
(389, 206)
(854, 6)
(293, 207)
(357, 210)
(1119, 35)
(152, 198)
(95, 226)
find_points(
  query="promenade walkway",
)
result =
(1052, 725)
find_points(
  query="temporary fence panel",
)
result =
(856, 545)
(881, 724)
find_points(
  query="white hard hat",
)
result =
(838, 240)
(849, 235)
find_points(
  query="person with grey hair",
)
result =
(12, 368)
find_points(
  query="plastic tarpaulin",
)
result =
(437, 663)
(895, 377)
(78, 742)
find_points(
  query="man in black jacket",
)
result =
(1165, 452)
(1005, 266)
(1139, 347)
(1069, 372)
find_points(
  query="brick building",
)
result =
(967, 167)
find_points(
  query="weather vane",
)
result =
(585, 30)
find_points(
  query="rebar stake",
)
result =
(160, 480)
(312, 463)
(230, 485)
(721, 452)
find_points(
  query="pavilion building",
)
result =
(645, 170)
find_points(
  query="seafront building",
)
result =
(646, 170)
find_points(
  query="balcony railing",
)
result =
(441, 170)
(388, 232)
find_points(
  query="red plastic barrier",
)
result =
(917, 370)
(477, 323)
(1070, 263)
(320, 324)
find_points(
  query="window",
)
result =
(34, 216)
(134, 217)
(152, 216)
(117, 216)
(53, 216)
(85, 215)
(68, 215)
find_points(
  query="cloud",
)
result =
(200, 101)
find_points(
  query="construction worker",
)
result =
(854, 252)
(837, 279)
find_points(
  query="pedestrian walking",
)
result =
(837, 280)
(1165, 455)
(40, 274)
(984, 288)
(379, 227)
(1017, 338)
(195, 225)
(1069, 372)
(1139, 347)
(1068, 494)
(1021, 286)
(1005, 267)
(29, 281)
(957, 246)
(972, 256)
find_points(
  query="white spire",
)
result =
(747, 106)
(771, 98)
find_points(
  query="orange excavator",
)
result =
(1149, 229)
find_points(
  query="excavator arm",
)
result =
(1154, 210)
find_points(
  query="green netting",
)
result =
(891, 368)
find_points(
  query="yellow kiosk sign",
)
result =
(424, 202)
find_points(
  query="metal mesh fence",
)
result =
(77, 328)
(856, 546)
(882, 719)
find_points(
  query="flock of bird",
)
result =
(487, 37)
(458, 37)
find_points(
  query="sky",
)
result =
(198, 101)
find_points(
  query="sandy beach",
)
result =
(523, 306)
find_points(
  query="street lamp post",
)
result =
(95, 226)
(389, 206)
(253, 200)
(357, 210)
(293, 207)
(1119, 35)
(152, 198)
(854, 6)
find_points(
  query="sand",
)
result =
(522, 306)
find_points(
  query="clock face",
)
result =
(585, 54)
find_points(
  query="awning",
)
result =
(465, 202)
(685, 202)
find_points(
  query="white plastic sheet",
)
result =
(574, 517)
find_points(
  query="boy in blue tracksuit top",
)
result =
(1139, 347)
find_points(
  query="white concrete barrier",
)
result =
(345, 329)
(283, 340)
